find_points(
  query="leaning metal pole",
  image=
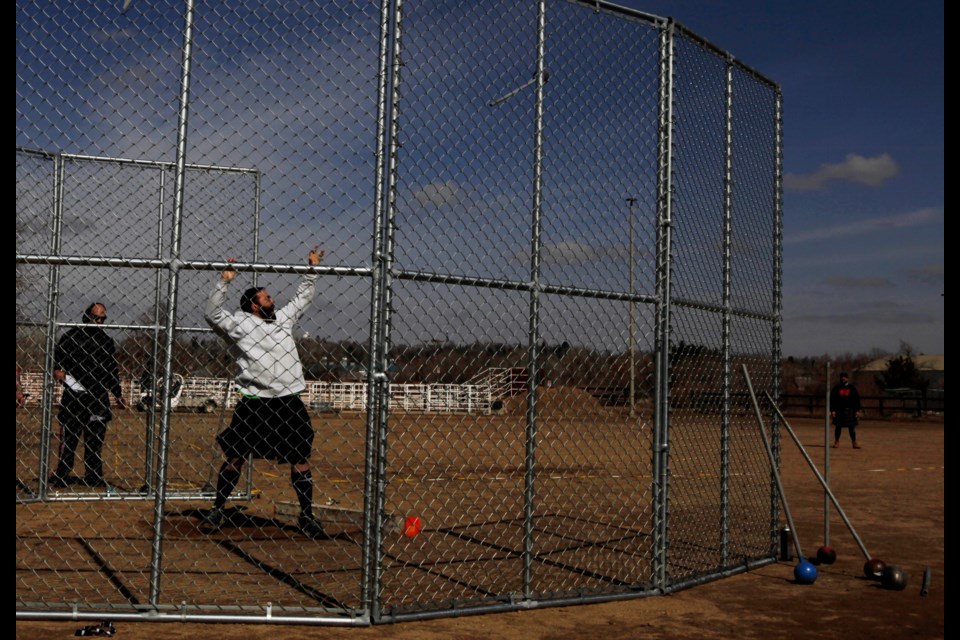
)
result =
(773, 466)
(826, 486)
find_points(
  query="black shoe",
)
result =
(311, 527)
(95, 481)
(213, 518)
(58, 482)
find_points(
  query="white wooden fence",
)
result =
(472, 398)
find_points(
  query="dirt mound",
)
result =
(554, 402)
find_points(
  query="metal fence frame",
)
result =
(670, 311)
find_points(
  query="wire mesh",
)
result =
(550, 236)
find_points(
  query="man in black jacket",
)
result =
(85, 364)
(845, 409)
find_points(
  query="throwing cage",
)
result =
(552, 234)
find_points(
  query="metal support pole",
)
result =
(826, 463)
(533, 382)
(156, 556)
(826, 487)
(773, 466)
(50, 339)
(633, 313)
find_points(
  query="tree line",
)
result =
(693, 367)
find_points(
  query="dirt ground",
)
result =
(891, 491)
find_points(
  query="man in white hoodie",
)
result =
(270, 421)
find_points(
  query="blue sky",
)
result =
(862, 90)
(862, 86)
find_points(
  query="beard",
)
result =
(269, 313)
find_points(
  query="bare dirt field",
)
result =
(891, 490)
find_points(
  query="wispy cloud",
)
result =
(846, 282)
(929, 274)
(871, 172)
(861, 227)
(439, 194)
(576, 253)
(885, 313)
(568, 253)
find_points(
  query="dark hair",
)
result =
(248, 298)
(844, 374)
(88, 313)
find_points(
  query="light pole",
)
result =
(631, 202)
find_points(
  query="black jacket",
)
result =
(844, 397)
(89, 355)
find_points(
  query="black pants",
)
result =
(82, 415)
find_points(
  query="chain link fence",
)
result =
(552, 237)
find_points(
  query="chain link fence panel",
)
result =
(551, 242)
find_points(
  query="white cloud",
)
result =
(567, 253)
(439, 194)
(890, 314)
(916, 218)
(871, 172)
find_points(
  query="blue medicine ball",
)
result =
(805, 573)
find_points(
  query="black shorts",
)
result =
(269, 428)
(846, 418)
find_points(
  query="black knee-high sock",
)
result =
(226, 481)
(303, 484)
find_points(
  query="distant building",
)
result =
(931, 366)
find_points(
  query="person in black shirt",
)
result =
(845, 409)
(85, 364)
